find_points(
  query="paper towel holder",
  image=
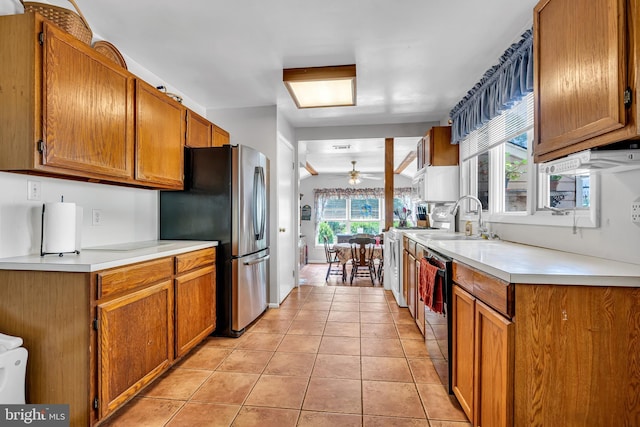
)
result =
(42, 252)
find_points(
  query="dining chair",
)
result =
(362, 258)
(335, 266)
(380, 268)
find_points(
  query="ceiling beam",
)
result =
(406, 162)
(310, 169)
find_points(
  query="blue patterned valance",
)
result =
(496, 91)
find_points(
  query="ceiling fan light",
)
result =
(321, 86)
(354, 175)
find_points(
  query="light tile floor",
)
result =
(331, 355)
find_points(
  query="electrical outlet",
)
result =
(33, 190)
(635, 211)
(96, 217)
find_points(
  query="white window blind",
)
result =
(504, 127)
(336, 209)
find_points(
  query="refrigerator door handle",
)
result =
(259, 203)
(257, 260)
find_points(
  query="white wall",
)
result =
(617, 238)
(128, 214)
(257, 128)
(307, 185)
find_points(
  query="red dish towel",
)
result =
(427, 282)
(430, 285)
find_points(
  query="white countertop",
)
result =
(103, 257)
(518, 263)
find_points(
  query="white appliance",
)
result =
(393, 264)
(436, 184)
(13, 368)
(594, 161)
(442, 184)
(442, 222)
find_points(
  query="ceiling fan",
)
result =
(355, 177)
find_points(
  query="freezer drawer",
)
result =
(249, 288)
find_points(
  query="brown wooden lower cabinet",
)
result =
(412, 287)
(545, 355)
(96, 339)
(577, 356)
(419, 302)
(195, 294)
(493, 369)
(53, 312)
(482, 343)
(462, 363)
(134, 343)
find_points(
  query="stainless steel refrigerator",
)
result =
(226, 199)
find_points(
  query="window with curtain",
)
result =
(498, 153)
(497, 168)
(493, 124)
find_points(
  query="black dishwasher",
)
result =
(438, 336)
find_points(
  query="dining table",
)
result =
(343, 251)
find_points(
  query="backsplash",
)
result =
(616, 238)
(126, 214)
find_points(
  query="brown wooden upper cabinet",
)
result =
(199, 131)
(68, 111)
(585, 72)
(64, 111)
(220, 136)
(160, 135)
(435, 148)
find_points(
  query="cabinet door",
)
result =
(195, 308)
(438, 148)
(405, 263)
(87, 108)
(580, 76)
(160, 133)
(411, 284)
(462, 335)
(135, 340)
(199, 132)
(493, 393)
(220, 137)
(419, 303)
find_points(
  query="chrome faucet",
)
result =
(481, 228)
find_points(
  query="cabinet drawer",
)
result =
(191, 260)
(409, 245)
(463, 276)
(492, 291)
(122, 279)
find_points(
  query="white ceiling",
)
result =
(415, 58)
(335, 156)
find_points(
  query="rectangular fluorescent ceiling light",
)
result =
(321, 86)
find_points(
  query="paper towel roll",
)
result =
(59, 227)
